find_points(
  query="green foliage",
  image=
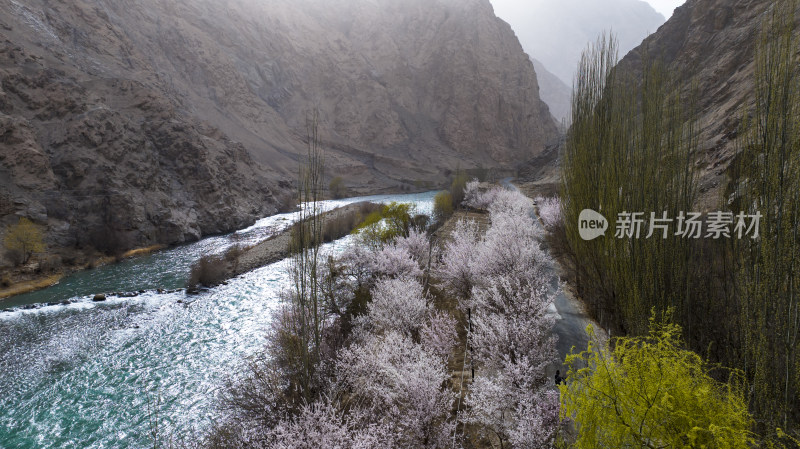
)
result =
(381, 227)
(442, 206)
(24, 237)
(649, 392)
(629, 149)
(768, 183)
(457, 188)
(337, 188)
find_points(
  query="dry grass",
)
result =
(142, 251)
(30, 286)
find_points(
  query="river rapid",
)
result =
(96, 375)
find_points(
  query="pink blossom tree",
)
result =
(537, 420)
(322, 425)
(472, 194)
(398, 304)
(525, 419)
(511, 248)
(457, 270)
(511, 323)
(400, 382)
(549, 211)
(513, 346)
(438, 335)
(512, 340)
(395, 261)
(418, 246)
(510, 201)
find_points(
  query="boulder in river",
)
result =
(99, 297)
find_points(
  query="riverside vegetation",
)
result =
(379, 378)
(632, 147)
(359, 354)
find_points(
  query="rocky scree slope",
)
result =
(128, 123)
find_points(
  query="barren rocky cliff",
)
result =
(710, 43)
(127, 123)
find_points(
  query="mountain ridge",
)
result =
(210, 99)
(710, 43)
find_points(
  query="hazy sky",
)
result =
(556, 32)
(665, 7)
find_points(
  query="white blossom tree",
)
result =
(511, 325)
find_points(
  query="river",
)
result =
(94, 375)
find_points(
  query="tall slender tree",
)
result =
(307, 304)
(769, 186)
(629, 150)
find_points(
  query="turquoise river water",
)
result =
(95, 375)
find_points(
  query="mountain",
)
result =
(554, 92)
(710, 43)
(557, 32)
(157, 121)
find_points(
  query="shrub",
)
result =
(442, 206)
(286, 202)
(421, 222)
(457, 188)
(208, 271)
(657, 393)
(337, 188)
(382, 227)
(24, 237)
(16, 256)
(5, 282)
(339, 224)
(50, 264)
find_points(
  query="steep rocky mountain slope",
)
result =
(710, 43)
(127, 123)
(557, 32)
(554, 92)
